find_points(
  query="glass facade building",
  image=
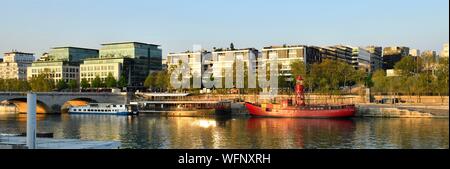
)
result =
(133, 60)
(71, 54)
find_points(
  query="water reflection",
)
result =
(301, 133)
(194, 133)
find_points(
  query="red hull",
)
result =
(345, 111)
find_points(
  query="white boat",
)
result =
(104, 108)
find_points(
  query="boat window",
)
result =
(114, 105)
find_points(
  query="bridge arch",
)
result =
(21, 105)
(76, 102)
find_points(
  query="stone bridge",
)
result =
(56, 102)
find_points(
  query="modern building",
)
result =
(14, 65)
(132, 60)
(199, 62)
(414, 52)
(55, 70)
(102, 68)
(361, 59)
(61, 63)
(70, 54)
(289, 54)
(444, 52)
(223, 60)
(392, 55)
(44, 57)
(337, 52)
(164, 64)
(376, 57)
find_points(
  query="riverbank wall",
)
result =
(405, 111)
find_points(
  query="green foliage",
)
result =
(97, 82)
(110, 81)
(409, 66)
(84, 84)
(417, 76)
(123, 81)
(61, 85)
(41, 83)
(158, 80)
(328, 76)
(72, 84)
(150, 81)
(14, 85)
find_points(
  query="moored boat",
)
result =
(298, 108)
(316, 111)
(104, 108)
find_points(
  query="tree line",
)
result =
(42, 83)
(414, 76)
(332, 77)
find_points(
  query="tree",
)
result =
(97, 82)
(379, 81)
(123, 82)
(150, 81)
(110, 81)
(61, 85)
(41, 83)
(442, 76)
(84, 84)
(72, 84)
(409, 66)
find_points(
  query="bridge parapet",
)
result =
(55, 100)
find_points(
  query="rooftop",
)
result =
(71, 47)
(284, 46)
(232, 50)
(120, 43)
(16, 52)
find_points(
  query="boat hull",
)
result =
(103, 113)
(292, 112)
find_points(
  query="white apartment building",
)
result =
(14, 65)
(444, 52)
(414, 52)
(223, 60)
(289, 54)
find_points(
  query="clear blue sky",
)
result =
(37, 25)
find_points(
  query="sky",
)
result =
(37, 25)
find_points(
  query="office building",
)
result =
(70, 54)
(61, 63)
(55, 70)
(132, 60)
(376, 59)
(337, 52)
(14, 65)
(361, 59)
(392, 55)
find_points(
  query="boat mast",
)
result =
(299, 90)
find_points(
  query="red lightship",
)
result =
(299, 109)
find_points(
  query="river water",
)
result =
(150, 132)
